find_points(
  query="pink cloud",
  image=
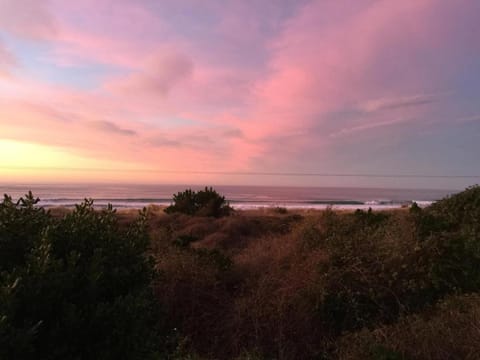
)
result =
(115, 38)
(317, 67)
(111, 128)
(247, 91)
(368, 126)
(7, 61)
(109, 32)
(159, 76)
(398, 103)
(28, 18)
(97, 127)
(336, 55)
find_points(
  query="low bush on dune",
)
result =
(77, 287)
(205, 202)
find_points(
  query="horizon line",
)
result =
(245, 173)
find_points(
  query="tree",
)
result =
(202, 203)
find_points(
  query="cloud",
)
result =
(48, 111)
(468, 119)
(159, 76)
(233, 133)
(337, 55)
(398, 103)
(367, 126)
(7, 60)
(27, 18)
(256, 90)
(111, 128)
(114, 33)
(163, 141)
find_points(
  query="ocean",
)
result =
(239, 197)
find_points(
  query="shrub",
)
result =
(202, 203)
(449, 231)
(76, 287)
(384, 265)
(21, 225)
(447, 331)
(280, 210)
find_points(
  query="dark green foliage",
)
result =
(450, 230)
(380, 269)
(21, 225)
(460, 210)
(202, 203)
(358, 281)
(76, 288)
(184, 202)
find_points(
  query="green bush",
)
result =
(449, 231)
(76, 287)
(21, 225)
(448, 330)
(384, 265)
(202, 203)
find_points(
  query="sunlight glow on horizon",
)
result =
(49, 164)
(30, 155)
(41, 162)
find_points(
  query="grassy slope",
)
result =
(322, 284)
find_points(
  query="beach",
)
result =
(239, 197)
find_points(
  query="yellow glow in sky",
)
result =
(30, 161)
(16, 154)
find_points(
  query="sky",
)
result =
(256, 92)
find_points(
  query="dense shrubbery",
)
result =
(202, 203)
(450, 230)
(386, 265)
(323, 285)
(74, 288)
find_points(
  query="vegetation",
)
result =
(202, 203)
(402, 284)
(74, 288)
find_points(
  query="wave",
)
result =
(244, 204)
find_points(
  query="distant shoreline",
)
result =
(255, 206)
(239, 197)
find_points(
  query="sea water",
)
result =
(239, 197)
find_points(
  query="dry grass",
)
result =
(270, 284)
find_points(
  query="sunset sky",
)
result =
(239, 91)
